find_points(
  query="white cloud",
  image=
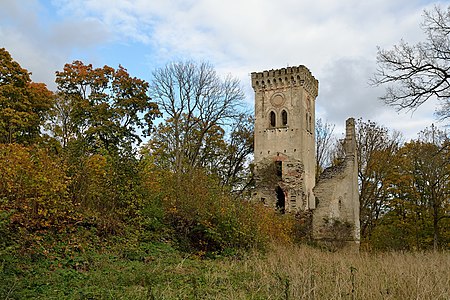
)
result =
(336, 40)
(42, 45)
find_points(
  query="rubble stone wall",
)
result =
(337, 197)
(285, 156)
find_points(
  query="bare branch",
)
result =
(413, 74)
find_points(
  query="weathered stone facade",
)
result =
(337, 211)
(284, 133)
(285, 151)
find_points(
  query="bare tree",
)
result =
(60, 122)
(233, 167)
(415, 73)
(324, 145)
(194, 101)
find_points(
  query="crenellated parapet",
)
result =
(286, 78)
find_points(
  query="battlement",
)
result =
(286, 78)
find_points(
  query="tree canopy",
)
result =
(104, 107)
(204, 125)
(23, 103)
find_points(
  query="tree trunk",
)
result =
(435, 227)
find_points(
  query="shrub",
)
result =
(107, 188)
(33, 188)
(208, 220)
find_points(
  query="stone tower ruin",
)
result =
(285, 151)
(284, 137)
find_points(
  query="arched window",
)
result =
(273, 120)
(284, 118)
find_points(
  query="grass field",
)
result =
(157, 271)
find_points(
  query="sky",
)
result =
(336, 40)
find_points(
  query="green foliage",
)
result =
(393, 233)
(108, 190)
(207, 220)
(203, 217)
(7, 236)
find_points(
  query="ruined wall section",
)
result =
(337, 199)
(290, 180)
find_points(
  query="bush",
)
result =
(33, 188)
(108, 190)
(208, 220)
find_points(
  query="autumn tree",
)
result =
(33, 188)
(415, 73)
(428, 167)
(435, 172)
(23, 103)
(198, 107)
(102, 107)
(99, 117)
(376, 147)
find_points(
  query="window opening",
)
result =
(284, 117)
(280, 205)
(272, 119)
(279, 166)
(293, 201)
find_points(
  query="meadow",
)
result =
(158, 271)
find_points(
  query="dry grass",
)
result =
(305, 273)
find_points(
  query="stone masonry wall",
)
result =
(284, 131)
(285, 156)
(337, 200)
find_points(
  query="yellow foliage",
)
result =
(208, 219)
(33, 187)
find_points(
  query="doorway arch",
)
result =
(281, 199)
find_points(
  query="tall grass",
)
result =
(307, 273)
(284, 272)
